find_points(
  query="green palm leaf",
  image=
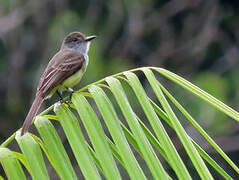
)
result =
(114, 136)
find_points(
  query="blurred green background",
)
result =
(197, 39)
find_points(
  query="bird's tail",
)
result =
(32, 113)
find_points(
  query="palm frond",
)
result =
(117, 138)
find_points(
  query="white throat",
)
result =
(83, 48)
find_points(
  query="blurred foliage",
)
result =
(213, 121)
(197, 39)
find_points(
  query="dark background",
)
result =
(197, 39)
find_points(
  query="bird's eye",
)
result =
(75, 39)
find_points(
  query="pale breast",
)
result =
(76, 77)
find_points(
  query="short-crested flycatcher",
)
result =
(64, 71)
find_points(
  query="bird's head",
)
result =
(77, 41)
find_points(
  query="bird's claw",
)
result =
(68, 102)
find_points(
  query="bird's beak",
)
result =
(89, 38)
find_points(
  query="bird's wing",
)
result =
(64, 64)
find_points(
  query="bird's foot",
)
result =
(71, 92)
(68, 102)
(60, 96)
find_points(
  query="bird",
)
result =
(62, 73)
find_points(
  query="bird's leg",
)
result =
(60, 95)
(71, 91)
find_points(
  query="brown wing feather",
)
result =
(62, 66)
